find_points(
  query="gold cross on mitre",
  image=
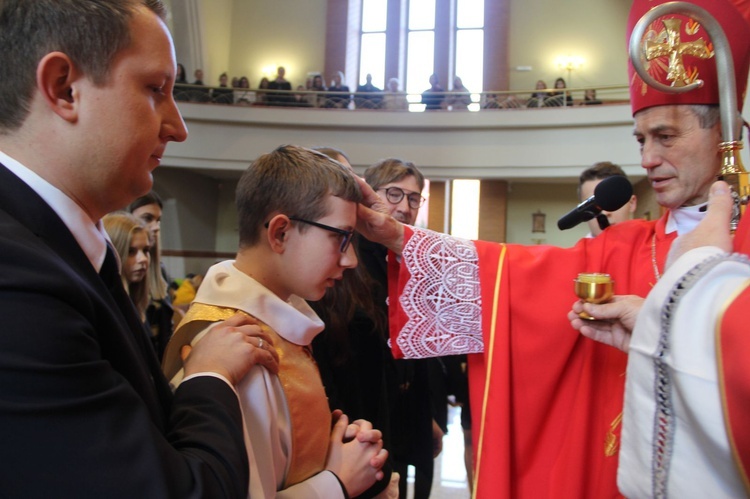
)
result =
(676, 50)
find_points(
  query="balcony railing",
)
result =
(402, 101)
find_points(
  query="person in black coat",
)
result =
(84, 408)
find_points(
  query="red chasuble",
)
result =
(546, 401)
(733, 342)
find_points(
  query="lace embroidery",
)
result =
(442, 298)
(664, 423)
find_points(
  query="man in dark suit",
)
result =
(86, 111)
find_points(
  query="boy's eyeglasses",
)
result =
(346, 235)
(394, 195)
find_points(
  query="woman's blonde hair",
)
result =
(157, 285)
(121, 227)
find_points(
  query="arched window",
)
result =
(412, 39)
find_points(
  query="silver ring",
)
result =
(260, 342)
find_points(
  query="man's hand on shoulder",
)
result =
(231, 348)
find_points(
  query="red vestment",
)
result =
(546, 401)
(734, 352)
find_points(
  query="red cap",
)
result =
(697, 53)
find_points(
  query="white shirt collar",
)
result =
(684, 220)
(226, 286)
(88, 233)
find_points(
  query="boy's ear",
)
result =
(56, 79)
(277, 236)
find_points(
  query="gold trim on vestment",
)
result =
(611, 445)
(488, 350)
(306, 399)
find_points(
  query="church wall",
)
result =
(554, 200)
(248, 37)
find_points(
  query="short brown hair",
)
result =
(291, 180)
(599, 171)
(390, 170)
(90, 32)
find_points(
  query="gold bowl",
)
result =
(593, 288)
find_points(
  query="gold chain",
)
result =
(653, 257)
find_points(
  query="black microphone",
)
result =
(609, 195)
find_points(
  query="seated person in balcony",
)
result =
(261, 96)
(242, 94)
(433, 98)
(589, 97)
(337, 85)
(297, 211)
(537, 98)
(364, 101)
(223, 94)
(560, 97)
(394, 98)
(279, 83)
(199, 94)
(300, 98)
(180, 90)
(458, 101)
(317, 99)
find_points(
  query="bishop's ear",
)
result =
(57, 80)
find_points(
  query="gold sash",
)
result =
(305, 395)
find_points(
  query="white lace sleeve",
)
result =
(442, 298)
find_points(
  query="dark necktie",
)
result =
(110, 271)
(110, 274)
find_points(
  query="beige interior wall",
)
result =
(266, 34)
(554, 200)
(189, 220)
(217, 38)
(248, 37)
(543, 30)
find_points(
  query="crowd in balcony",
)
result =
(336, 95)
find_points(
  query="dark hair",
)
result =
(390, 170)
(157, 283)
(292, 180)
(340, 303)
(332, 152)
(599, 171)
(352, 298)
(90, 32)
(145, 200)
(181, 75)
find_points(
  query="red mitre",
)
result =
(734, 18)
